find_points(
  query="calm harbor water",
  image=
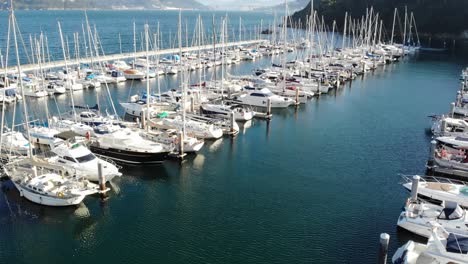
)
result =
(317, 184)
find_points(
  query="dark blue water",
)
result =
(317, 184)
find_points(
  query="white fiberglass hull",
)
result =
(48, 200)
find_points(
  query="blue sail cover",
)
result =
(10, 92)
(457, 244)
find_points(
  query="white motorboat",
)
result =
(260, 98)
(171, 137)
(136, 106)
(447, 126)
(451, 153)
(80, 161)
(92, 118)
(442, 247)
(64, 125)
(127, 146)
(440, 189)
(241, 112)
(193, 128)
(48, 188)
(134, 74)
(55, 88)
(418, 215)
(115, 77)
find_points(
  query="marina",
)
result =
(272, 157)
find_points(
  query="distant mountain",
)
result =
(293, 6)
(433, 17)
(105, 4)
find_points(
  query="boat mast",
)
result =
(18, 64)
(134, 43)
(66, 69)
(6, 81)
(344, 31)
(404, 34)
(148, 95)
(393, 26)
(182, 72)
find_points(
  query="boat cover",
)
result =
(451, 211)
(457, 243)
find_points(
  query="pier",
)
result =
(127, 55)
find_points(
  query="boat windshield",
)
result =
(86, 158)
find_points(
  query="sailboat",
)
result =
(37, 181)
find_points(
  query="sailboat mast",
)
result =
(6, 82)
(393, 26)
(18, 64)
(182, 72)
(344, 31)
(148, 94)
(404, 33)
(66, 69)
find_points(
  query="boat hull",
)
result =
(130, 157)
(48, 200)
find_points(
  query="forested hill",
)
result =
(104, 4)
(433, 17)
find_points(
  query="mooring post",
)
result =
(452, 109)
(414, 188)
(143, 119)
(443, 126)
(430, 162)
(268, 113)
(192, 104)
(102, 181)
(232, 122)
(181, 145)
(384, 241)
(297, 96)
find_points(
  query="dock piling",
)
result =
(181, 145)
(232, 121)
(268, 113)
(102, 181)
(414, 188)
(452, 109)
(297, 96)
(192, 104)
(384, 241)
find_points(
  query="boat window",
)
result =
(257, 94)
(86, 158)
(69, 158)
